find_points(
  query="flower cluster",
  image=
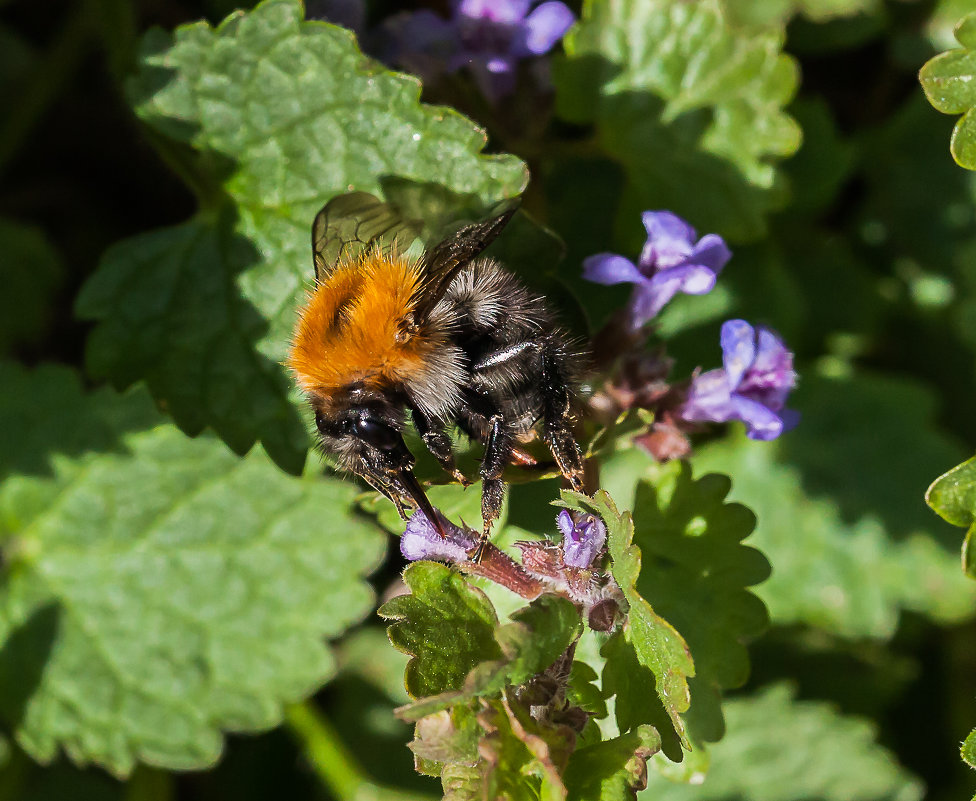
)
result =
(757, 373)
(487, 37)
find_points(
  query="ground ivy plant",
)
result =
(768, 272)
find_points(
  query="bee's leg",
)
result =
(498, 453)
(556, 419)
(438, 443)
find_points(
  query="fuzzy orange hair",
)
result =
(356, 327)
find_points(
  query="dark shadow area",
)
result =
(23, 657)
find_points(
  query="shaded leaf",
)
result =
(778, 749)
(32, 271)
(163, 591)
(683, 100)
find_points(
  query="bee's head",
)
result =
(362, 427)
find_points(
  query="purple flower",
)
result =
(422, 541)
(583, 537)
(671, 262)
(489, 37)
(752, 386)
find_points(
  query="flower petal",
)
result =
(669, 239)
(738, 340)
(709, 399)
(545, 26)
(564, 522)
(609, 268)
(422, 541)
(504, 11)
(762, 423)
(711, 251)
(585, 539)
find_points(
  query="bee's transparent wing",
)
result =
(445, 260)
(348, 224)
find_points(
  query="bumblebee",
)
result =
(451, 337)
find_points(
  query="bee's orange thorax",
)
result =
(357, 326)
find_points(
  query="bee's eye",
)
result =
(376, 434)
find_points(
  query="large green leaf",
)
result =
(778, 749)
(683, 100)
(267, 117)
(159, 590)
(948, 83)
(612, 770)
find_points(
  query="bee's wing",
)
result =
(350, 223)
(445, 260)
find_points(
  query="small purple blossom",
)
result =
(752, 386)
(489, 37)
(672, 261)
(583, 537)
(422, 541)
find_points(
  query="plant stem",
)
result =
(325, 751)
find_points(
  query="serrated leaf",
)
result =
(820, 560)
(779, 749)
(613, 770)
(269, 117)
(538, 634)
(683, 100)
(656, 643)
(446, 625)
(947, 81)
(162, 590)
(953, 497)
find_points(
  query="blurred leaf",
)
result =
(870, 444)
(612, 770)
(446, 625)
(538, 635)
(366, 653)
(164, 591)
(953, 497)
(683, 100)
(271, 116)
(849, 578)
(947, 81)
(779, 749)
(772, 13)
(32, 272)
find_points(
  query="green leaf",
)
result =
(32, 271)
(656, 643)
(160, 590)
(947, 81)
(538, 635)
(968, 749)
(612, 770)
(774, 13)
(683, 100)
(267, 117)
(446, 625)
(778, 749)
(820, 560)
(953, 497)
